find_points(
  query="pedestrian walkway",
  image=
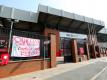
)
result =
(59, 69)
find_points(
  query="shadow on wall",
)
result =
(16, 67)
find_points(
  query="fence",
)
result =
(4, 37)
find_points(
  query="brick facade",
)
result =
(15, 68)
(49, 31)
(54, 46)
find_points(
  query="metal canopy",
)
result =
(13, 13)
(66, 21)
(54, 18)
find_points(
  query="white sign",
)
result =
(46, 42)
(72, 35)
(25, 47)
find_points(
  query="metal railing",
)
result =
(4, 34)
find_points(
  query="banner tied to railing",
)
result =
(25, 47)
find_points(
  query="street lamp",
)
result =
(12, 21)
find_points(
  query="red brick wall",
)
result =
(48, 31)
(54, 47)
(15, 68)
(53, 50)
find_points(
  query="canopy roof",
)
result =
(54, 18)
(66, 21)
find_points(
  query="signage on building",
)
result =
(72, 35)
(46, 42)
(25, 47)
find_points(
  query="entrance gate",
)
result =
(66, 47)
(68, 53)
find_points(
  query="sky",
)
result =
(91, 8)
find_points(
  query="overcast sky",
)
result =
(90, 8)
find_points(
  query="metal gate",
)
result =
(66, 46)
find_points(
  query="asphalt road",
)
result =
(102, 76)
(84, 73)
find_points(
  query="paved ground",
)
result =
(83, 73)
(102, 76)
(94, 69)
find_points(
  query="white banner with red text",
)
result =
(25, 47)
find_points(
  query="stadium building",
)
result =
(41, 40)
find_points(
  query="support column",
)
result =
(48, 31)
(54, 45)
(74, 51)
(53, 49)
